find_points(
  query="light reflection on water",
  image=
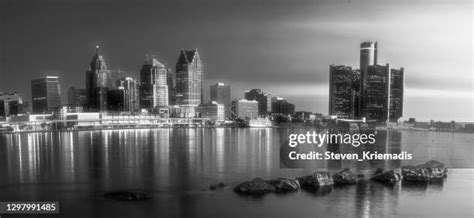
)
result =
(177, 166)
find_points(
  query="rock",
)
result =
(127, 195)
(415, 175)
(256, 186)
(389, 177)
(431, 171)
(436, 170)
(283, 185)
(344, 177)
(217, 186)
(315, 180)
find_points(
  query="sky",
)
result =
(283, 47)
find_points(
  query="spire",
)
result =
(97, 50)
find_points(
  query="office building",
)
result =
(11, 104)
(189, 75)
(131, 89)
(76, 97)
(213, 110)
(368, 57)
(245, 109)
(343, 91)
(153, 87)
(116, 99)
(45, 94)
(221, 94)
(98, 80)
(377, 93)
(264, 100)
(281, 106)
(397, 85)
(171, 82)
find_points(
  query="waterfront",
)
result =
(177, 165)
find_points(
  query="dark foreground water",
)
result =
(176, 166)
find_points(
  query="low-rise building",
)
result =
(245, 109)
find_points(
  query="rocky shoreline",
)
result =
(422, 174)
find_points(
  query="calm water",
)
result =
(176, 166)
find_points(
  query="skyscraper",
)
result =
(377, 93)
(98, 81)
(189, 74)
(45, 94)
(368, 57)
(153, 87)
(264, 100)
(131, 93)
(397, 85)
(171, 82)
(343, 91)
(220, 93)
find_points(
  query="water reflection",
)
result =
(176, 165)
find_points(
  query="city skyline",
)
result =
(279, 66)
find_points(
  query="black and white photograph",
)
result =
(236, 108)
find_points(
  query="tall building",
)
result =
(368, 57)
(343, 91)
(153, 87)
(98, 81)
(264, 100)
(221, 94)
(131, 93)
(45, 94)
(377, 93)
(397, 85)
(171, 82)
(245, 109)
(76, 97)
(10, 104)
(189, 75)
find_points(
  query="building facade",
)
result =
(76, 97)
(10, 104)
(213, 110)
(98, 80)
(282, 107)
(368, 57)
(245, 109)
(221, 94)
(154, 84)
(116, 99)
(189, 75)
(397, 86)
(131, 89)
(343, 91)
(45, 94)
(264, 100)
(377, 93)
